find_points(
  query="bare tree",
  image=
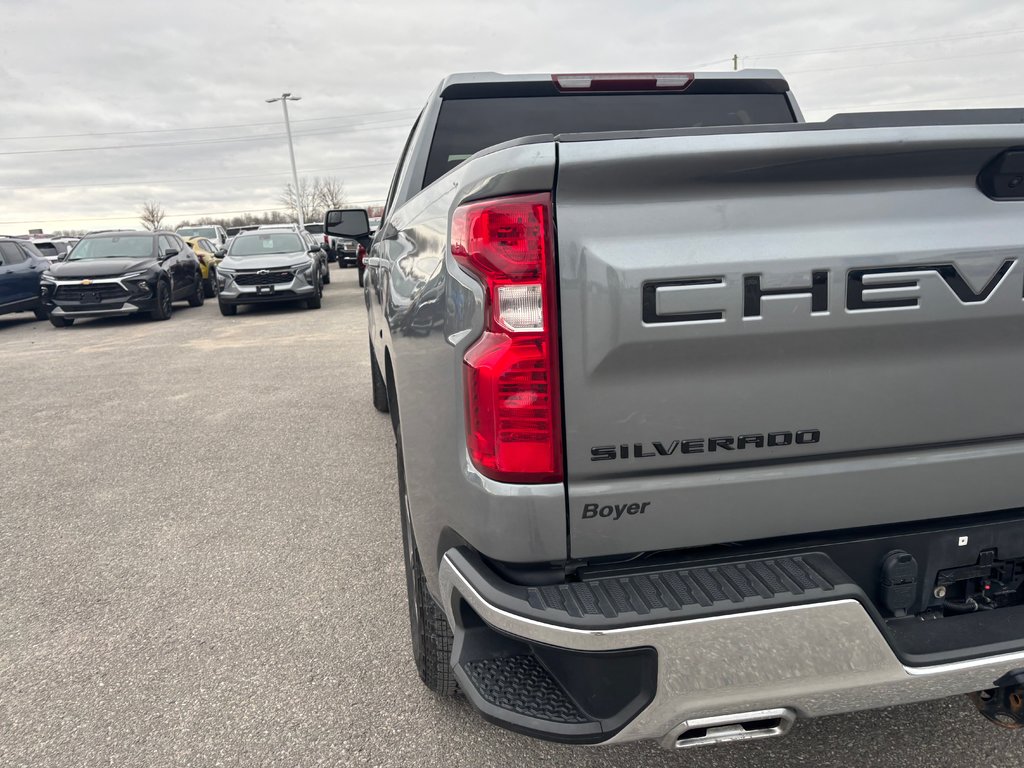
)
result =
(330, 193)
(304, 201)
(152, 217)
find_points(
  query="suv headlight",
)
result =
(305, 268)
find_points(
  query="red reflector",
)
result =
(512, 396)
(631, 81)
(512, 389)
(361, 256)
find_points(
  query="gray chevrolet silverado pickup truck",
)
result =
(706, 417)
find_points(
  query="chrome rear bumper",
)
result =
(819, 659)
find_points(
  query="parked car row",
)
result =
(123, 272)
(342, 250)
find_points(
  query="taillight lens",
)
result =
(361, 256)
(511, 374)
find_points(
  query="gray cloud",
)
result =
(365, 68)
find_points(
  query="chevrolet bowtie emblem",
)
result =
(87, 282)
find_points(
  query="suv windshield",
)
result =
(198, 231)
(465, 126)
(266, 243)
(113, 247)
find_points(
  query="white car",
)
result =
(280, 227)
(215, 233)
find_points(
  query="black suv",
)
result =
(120, 273)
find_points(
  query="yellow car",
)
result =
(209, 257)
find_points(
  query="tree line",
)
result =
(316, 195)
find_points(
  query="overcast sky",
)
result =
(165, 101)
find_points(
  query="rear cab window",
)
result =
(467, 125)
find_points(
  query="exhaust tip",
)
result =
(723, 729)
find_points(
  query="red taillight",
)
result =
(326, 241)
(361, 256)
(633, 81)
(513, 394)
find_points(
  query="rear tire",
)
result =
(361, 272)
(210, 286)
(228, 310)
(61, 322)
(380, 389)
(162, 310)
(327, 275)
(432, 638)
(198, 296)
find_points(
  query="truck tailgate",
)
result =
(790, 331)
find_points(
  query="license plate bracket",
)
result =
(264, 289)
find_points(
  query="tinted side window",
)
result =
(10, 253)
(398, 171)
(30, 249)
(165, 243)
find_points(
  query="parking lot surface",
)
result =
(200, 565)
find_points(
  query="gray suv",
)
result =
(270, 266)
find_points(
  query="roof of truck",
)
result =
(470, 85)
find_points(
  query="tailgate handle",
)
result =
(1003, 177)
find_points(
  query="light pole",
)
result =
(284, 98)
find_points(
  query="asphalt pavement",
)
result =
(200, 566)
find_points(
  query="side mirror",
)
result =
(170, 252)
(314, 248)
(347, 222)
(221, 253)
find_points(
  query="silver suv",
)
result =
(270, 266)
